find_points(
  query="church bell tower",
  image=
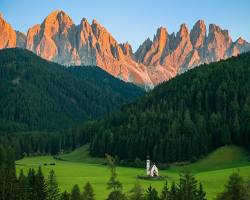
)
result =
(148, 166)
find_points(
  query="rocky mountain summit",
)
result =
(58, 39)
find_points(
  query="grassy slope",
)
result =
(223, 158)
(80, 169)
(82, 155)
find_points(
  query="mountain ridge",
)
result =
(60, 40)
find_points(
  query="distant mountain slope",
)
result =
(59, 39)
(184, 118)
(45, 95)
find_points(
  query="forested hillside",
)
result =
(106, 82)
(41, 95)
(184, 118)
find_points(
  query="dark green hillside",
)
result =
(106, 82)
(184, 118)
(41, 95)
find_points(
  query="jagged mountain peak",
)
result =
(58, 39)
(127, 49)
(99, 30)
(148, 41)
(7, 34)
(96, 25)
(95, 22)
(85, 25)
(198, 34)
(160, 38)
(200, 25)
(84, 20)
(142, 50)
(183, 30)
(161, 31)
(215, 28)
(21, 39)
(218, 44)
(240, 41)
(59, 14)
(57, 18)
(239, 46)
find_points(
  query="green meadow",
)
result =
(78, 167)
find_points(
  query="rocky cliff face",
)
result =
(7, 35)
(54, 39)
(58, 39)
(21, 39)
(218, 44)
(10, 38)
(184, 50)
(240, 46)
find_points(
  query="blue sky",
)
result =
(134, 20)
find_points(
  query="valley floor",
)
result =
(213, 171)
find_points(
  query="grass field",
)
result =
(78, 168)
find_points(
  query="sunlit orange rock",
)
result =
(54, 39)
(7, 35)
(240, 46)
(218, 44)
(58, 39)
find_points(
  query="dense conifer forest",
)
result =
(41, 95)
(184, 118)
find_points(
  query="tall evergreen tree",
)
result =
(136, 193)
(187, 187)
(9, 186)
(65, 196)
(165, 192)
(173, 192)
(116, 195)
(113, 183)
(53, 190)
(201, 194)
(32, 182)
(23, 187)
(152, 194)
(235, 189)
(75, 193)
(40, 186)
(88, 192)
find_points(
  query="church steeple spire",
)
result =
(148, 166)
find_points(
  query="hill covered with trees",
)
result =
(182, 119)
(41, 95)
